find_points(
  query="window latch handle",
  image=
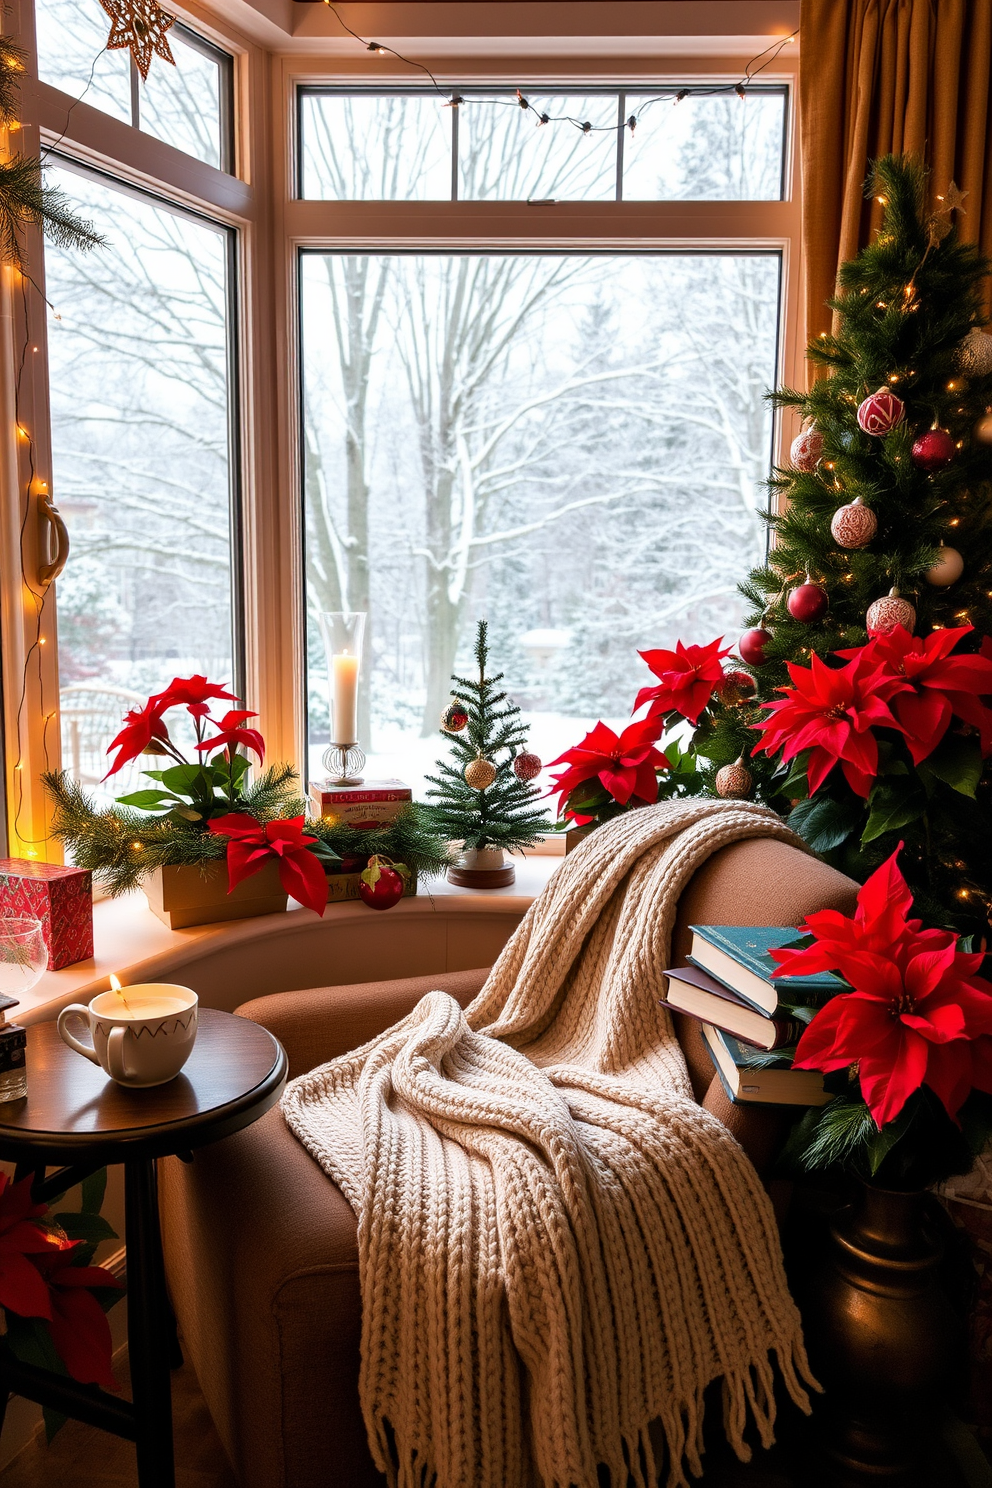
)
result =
(54, 540)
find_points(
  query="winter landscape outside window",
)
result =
(572, 445)
(188, 105)
(141, 415)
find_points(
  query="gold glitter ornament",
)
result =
(734, 782)
(480, 773)
(139, 26)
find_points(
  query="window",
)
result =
(413, 145)
(141, 409)
(571, 445)
(189, 106)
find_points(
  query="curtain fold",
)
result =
(881, 76)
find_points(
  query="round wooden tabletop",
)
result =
(236, 1071)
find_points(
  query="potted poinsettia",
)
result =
(212, 838)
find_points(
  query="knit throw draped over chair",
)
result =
(557, 1246)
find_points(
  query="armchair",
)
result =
(260, 1245)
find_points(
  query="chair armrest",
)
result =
(323, 1022)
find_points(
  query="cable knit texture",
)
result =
(557, 1246)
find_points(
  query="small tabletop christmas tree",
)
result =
(485, 797)
(870, 652)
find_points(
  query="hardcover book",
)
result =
(747, 1085)
(374, 803)
(695, 992)
(738, 956)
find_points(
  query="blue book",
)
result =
(748, 1083)
(738, 956)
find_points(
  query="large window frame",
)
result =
(260, 202)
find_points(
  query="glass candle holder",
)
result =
(344, 633)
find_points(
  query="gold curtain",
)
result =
(881, 76)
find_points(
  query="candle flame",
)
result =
(115, 986)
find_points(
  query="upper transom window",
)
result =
(189, 105)
(597, 144)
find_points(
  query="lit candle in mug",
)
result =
(147, 1000)
(344, 683)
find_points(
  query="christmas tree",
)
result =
(860, 715)
(485, 796)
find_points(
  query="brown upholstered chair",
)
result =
(261, 1246)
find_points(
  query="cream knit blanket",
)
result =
(557, 1245)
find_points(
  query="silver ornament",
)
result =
(974, 355)
(854, 525)
(948, 567)
(886, 613)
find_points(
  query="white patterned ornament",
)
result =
(806, 451)
(948, 567)
(974, 355)
(886, 613)
(734, 782)
(854, 525)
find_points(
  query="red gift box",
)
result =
(61, 898)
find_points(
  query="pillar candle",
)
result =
(344, 677)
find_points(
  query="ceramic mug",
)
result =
(142, 1038)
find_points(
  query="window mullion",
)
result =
(621, 115)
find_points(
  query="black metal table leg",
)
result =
(148, 1327)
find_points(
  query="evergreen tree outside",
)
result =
(502, 814)
(911, 754)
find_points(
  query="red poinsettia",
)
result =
(142, 728)
(688, 676)
(253, 843)
(942, 686)
(38, 1280)
(78, 1324)
(831, 711)
(233, 734)
(195, 692)
(624, 764)
(918, 1012)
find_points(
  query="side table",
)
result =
(76, 1117)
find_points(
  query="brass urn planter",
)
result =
(884, 1337)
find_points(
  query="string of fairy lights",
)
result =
(674, 93)
(36, 592)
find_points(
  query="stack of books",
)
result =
(729, 988)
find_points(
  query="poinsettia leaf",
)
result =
(30, 1341)
(185, 813)
(187, 779)
(882, 1143)
(81, 1226)
(957, 762)
(93, 1190)
(893, 805)
(824, 822)
(796, 782)
(146, 800)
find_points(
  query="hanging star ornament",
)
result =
(140, 26)
(951, 201)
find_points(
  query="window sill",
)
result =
(442, 928)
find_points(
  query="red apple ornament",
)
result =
(933, 450)
(752, 645)
(736, 688)
(881, 412)
(808, 603)
(380, 886)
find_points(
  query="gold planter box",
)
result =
(198, 895)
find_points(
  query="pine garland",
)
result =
(121, 846)
(24, 198)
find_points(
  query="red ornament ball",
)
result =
(735, 688)
(380, 886)
(806, 450)
(933, 450)
(854, 525)
(526, 766)
(734, 782)
(808, 603)
(881, 412)
(454, 718)
(888, 612)
(752, 645)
